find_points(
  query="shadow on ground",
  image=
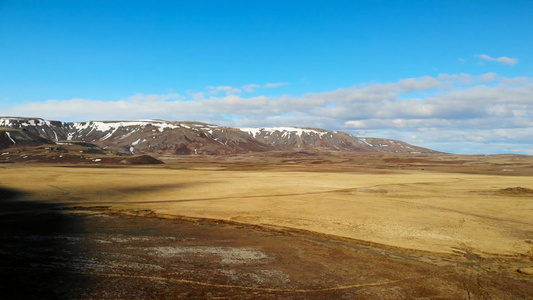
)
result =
(47, 252)
(32, 249)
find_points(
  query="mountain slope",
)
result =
(162, 137)
(20, 137)
(292, 138)
(52, 130)
(158, 137)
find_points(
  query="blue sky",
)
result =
(455, 76)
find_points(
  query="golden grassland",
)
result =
(437, 203)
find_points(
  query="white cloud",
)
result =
(140, 97)
(355, 124)
(449, 79)
(198, 95)
(273, 85)
(459, 108)
(516, 81)
(487, 77)
(419, 84)
(250, 87)
(226, 89)
(503, 59)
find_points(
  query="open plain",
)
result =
(275, 225)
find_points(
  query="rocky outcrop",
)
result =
(10, 137)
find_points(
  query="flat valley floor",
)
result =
(275, 225)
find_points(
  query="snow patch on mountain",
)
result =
(255, 131)
(363, 140)
(9, 136)
(107, 126)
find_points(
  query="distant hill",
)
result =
(158, 137)
(294, 138)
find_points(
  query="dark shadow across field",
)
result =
(33, 250)
(48, 253)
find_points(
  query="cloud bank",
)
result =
(459, 113)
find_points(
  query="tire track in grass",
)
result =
(243, 287)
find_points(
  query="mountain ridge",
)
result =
(161, 138)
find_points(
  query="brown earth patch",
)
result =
(141, 160)
(516, 191)
(91, 254)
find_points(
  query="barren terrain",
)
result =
(285, 225)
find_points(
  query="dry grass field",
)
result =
(467, 214)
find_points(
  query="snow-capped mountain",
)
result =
(291, 138)
(155, 137)
(163, 137)
(158, 137)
